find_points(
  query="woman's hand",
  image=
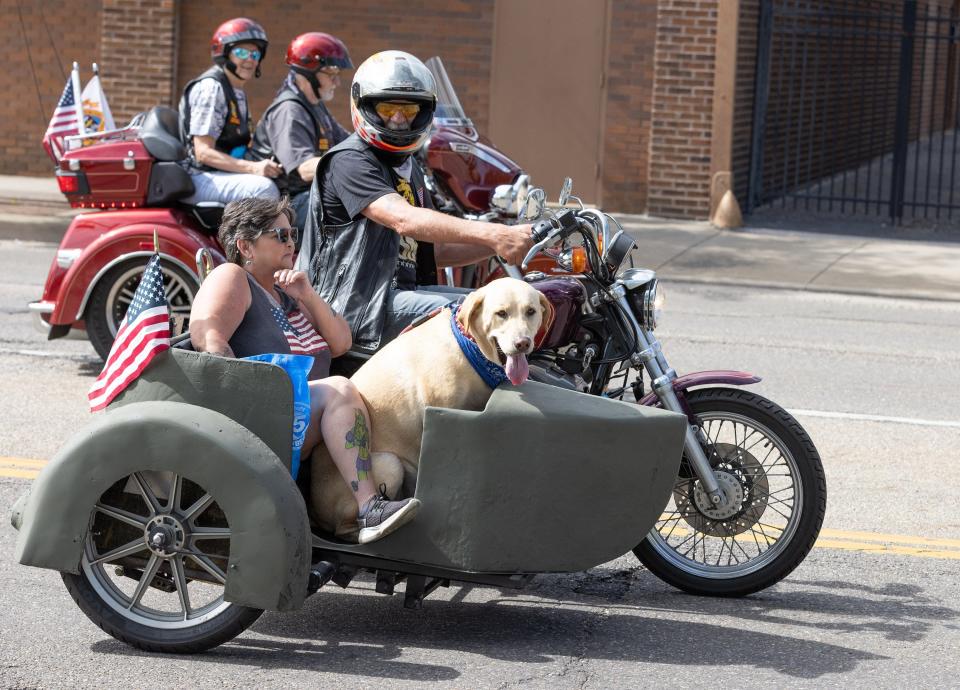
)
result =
(294, 283)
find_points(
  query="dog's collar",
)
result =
(492, 374)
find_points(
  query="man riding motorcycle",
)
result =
(373, 243)
(215, 119)
(297, 129)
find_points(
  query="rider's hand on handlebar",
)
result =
(513, 242)
(267, 168)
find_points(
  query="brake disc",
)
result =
(744, 483)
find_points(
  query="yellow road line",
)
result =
(897, 538)
(883, 548)
(19, 474)
(21, 462)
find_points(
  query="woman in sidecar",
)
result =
(175, 521)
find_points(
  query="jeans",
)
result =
(301, 206)
(406, 306)
(226, 187)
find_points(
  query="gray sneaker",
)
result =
(380, 516)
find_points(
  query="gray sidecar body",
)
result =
(541, 480)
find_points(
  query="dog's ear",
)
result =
(470, 312)
(547, 315)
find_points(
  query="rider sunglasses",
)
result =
(386, 110)
(246, 53)
(283, 235)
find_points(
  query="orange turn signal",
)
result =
(578, 260)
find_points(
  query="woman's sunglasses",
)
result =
(387, 110)
(246, 53)
(283, 235)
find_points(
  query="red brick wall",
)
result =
(682, 108)
(138, 44)
(626, 153)
(40, 52)
(459, 32)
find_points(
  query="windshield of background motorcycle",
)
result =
(449, 112)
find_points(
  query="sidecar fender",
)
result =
(270, 532)
(704, 378)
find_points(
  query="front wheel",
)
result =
(154, 566)
(775, 499)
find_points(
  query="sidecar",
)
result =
(175, 521)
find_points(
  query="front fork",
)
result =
(649, 355)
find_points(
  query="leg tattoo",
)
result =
(359, 438)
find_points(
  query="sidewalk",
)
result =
(846, 258)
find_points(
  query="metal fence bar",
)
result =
(902, 126)
(760, 96)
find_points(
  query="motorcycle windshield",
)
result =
(449, 112)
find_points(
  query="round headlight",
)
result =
(653, 299)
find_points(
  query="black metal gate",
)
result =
(856, 108)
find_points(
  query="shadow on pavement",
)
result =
(602, 615)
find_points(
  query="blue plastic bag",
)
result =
(298, 369)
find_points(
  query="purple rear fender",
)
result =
(703, 378)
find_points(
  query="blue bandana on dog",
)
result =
(492, 374)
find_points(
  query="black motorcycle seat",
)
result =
(160, 134)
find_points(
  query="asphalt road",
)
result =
(875, 382)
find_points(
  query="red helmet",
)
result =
(233, 31)
(315, 50)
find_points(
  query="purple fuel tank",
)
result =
(567, 297)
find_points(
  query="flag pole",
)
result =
(156, 239)
(75, 77)
(96, 70)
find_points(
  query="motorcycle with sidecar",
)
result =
(175, 520)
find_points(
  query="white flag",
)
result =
(96, 111)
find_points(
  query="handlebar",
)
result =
(546, 231)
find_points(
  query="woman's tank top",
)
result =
(270, 327)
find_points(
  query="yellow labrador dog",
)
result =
(426, 366)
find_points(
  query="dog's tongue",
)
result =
(517, 369)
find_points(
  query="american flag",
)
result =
(144, 332)
(302, 337)
(63, 123)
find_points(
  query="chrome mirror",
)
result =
(565, 191)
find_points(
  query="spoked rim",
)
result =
(178, 292)
(745, 537)
(170, 516)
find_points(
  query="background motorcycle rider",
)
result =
(215, 119)
(297, 129)
(373, 244)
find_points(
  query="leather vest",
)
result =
(236, 129)
(262, 148)
(352, 266)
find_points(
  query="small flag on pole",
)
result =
(96, 111)
(63, 123)
(144, 332)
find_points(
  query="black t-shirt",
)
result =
(351, 182)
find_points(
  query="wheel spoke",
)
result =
(180, 578)
(148, 496)
(122, 515)
(135, 546)
(173, 290)
(210, 533)
(145, 579)
(201, 505)
(176, 488)
(207, 564)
